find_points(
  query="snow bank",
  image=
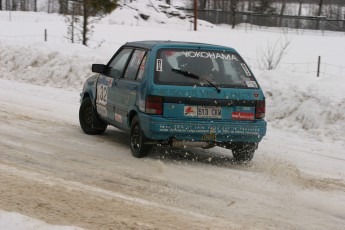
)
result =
(65, 66)
(302, 102)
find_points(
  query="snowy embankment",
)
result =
(299, 103)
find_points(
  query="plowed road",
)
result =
(52, 171)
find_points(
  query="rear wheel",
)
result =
(244, 151)
(137, 140)
(86, 118)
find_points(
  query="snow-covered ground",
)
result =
(297, 177)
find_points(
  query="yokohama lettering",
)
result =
(204, 54)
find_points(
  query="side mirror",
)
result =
(98, 68)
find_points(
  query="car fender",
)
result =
(89, 89)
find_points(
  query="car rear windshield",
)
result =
(197, 67)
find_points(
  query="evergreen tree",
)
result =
(85, 13)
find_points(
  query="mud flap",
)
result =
(96, 122)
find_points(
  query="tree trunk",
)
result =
(282, 12)
(320, 8)
(319, 14)
(63, 6)
(299, 13)
(203, 4)
(14, 5)
(86, 16)
(233, 7)
(250, 5)
(48, 6)
(22, 5)
(195, 15)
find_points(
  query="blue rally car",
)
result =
(178, 94)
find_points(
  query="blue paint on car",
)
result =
(177, 93)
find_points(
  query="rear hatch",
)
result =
(206, 84)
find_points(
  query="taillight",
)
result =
(260, 109)
(154, 105)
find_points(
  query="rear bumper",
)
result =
(158, 128)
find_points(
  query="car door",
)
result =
(106, 84)
(127, 87)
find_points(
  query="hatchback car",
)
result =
(178, 94)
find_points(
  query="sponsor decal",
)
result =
(107, 81)
(217, 130)
(159, 65)
(251, 84)
(169, 52)
(190, 111)
(205, 54)
(118, 117)
(245, 68)
(242, 116)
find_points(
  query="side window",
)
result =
(141, 69)
(133, 66)
(117, 65)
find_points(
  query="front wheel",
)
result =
(244, 151)
(137, 140)
(86, 118)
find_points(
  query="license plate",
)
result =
(210, 111)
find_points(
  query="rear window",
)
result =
(196, 67)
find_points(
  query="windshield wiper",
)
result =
(194, 76)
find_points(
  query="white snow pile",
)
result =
(148, 12)
(42, 64)
(315, 105)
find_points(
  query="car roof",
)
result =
(150, 44)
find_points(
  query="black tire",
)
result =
(137, 140)
(243, 151)
(86, 119)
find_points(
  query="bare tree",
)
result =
(274, 52)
